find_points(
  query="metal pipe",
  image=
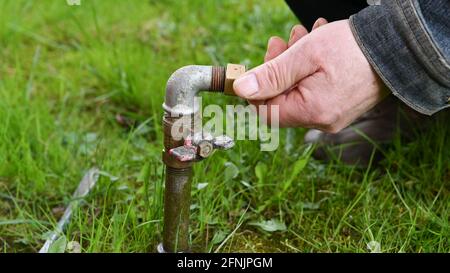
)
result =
(187, 82)
(182, 87)
(177, 198)
(181, 90)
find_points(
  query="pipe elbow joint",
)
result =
(183, 86)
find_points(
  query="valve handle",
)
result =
(223, 142)
(200, 146)
(184, 153)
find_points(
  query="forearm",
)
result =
(408, 44)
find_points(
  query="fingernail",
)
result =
(268, 55)
(270, 42)
(247, 86)
(293, 32)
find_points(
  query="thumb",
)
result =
(274, 77)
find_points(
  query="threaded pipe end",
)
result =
(218, 79)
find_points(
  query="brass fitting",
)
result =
(233, 72)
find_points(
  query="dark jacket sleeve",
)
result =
(408, 44)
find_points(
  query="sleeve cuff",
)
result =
(388, 51)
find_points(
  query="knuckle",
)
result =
(314, 52)
(272, 75)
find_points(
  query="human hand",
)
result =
(320, 80)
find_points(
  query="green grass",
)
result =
(66, 72)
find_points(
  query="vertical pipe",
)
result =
(176, 209)
(177, 193)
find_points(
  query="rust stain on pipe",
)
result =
(182, 87)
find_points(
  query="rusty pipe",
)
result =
(182, 87)
(181, 90)
(177, 201)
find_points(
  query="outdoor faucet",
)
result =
(180, 153)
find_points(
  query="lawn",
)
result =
(82, 87)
